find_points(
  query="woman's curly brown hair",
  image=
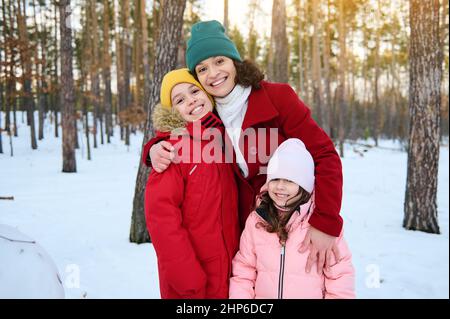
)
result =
(276, 222)
(248, 74)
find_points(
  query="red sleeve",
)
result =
(296, 122)
(177, 259)
(160, 136)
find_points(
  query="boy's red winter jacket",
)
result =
(192, 213)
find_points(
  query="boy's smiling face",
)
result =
(191, 101)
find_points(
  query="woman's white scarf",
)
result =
(232, 109)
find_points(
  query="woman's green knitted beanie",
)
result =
(208, 39)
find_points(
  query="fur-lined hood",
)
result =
(167, 119)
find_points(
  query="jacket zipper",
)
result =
(281, 274)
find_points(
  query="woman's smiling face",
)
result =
(217, 75)
(190, 101)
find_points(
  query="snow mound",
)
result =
(26, 269)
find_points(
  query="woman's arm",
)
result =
(164, 196)
(158, 153)
(296, 122)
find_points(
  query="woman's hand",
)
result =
(321, 248)
(161, 155)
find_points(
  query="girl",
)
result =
(267, 263)
(191, 208)
(248, 105)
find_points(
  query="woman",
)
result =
(248, 105)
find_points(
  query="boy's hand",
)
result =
(322, 248)
(161, 155)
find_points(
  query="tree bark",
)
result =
(94, 67)
(67, 89)
(145, 56)
(317, 78)
(56, 87)
(377, 113)
(424, 103)
(25, 54)
(225, 15)
(166, 60)
(278, 53)
(327, 74)
(341, 98)
(106, 72)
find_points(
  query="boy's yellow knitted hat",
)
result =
(176, 77)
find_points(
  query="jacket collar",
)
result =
(260, 107)
(204, 128)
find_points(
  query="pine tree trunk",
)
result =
(377, 114)
(166, 59)
(25, 54)
(119, 67)
(106, 72)
(39, 69)
(67, 89)
(424, 104)
(86, 119)
(225, 15)
(145, 56)
(56, 90)
(95, 78)
(317, 84)
(326, 63)
(341, 98)
(127, 56)
(278, 53)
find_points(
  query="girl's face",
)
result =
(282, 190)
(190, 101)
(217, 75)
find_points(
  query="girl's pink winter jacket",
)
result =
(261, 271)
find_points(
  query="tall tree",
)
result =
(328, 120)
(166, 59)
(67, 89)
(25, 55)
(106, 72)
(252, 39)
(278, 52)
(424, 102)
(39, 73)
(225, 14)
(56, 87)
(94, 65)
(145, 54)
(340, 94)
(317, 74)
(376, 130)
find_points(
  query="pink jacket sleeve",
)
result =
(340, 279)
(243, 279)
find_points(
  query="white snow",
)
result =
(26, 270)
(83, 220)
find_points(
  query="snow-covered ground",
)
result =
(82, 220)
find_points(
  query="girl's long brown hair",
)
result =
(276, 222)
